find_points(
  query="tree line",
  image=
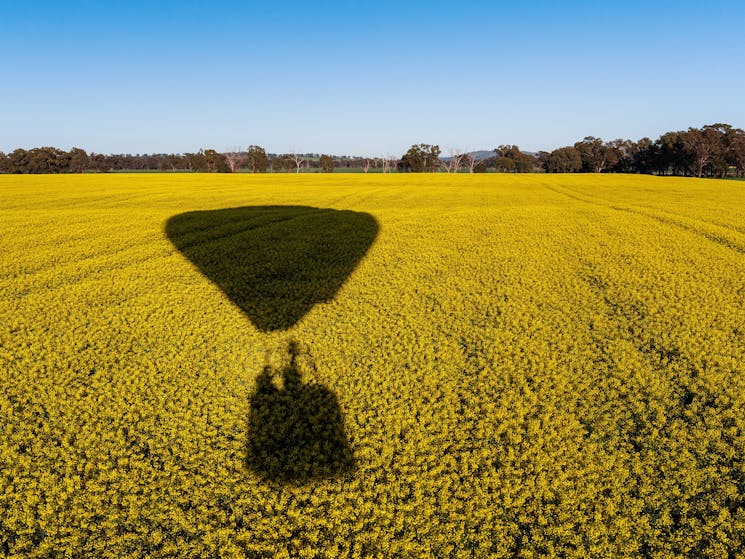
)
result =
(715, 150)
(254, 160)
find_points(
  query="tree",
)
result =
(98, 162)
(643, 155)
(386, 163)
(564, 160)
(453, 163)
(595, 155)
(715, 150)
(671, 155)
(327, 163)
(283, 162)
(472, 163)
(277, 162)
(504, 164)
(520, 162)
(421, 158)
(234, 159)
(47, 160)
(175, 162)
(543, 157)
(736, 151)
(719, 137)
(196, 162)
(216, 162)
(298, 160)
(457, 158)
(207, 161)
(289, 162)
(701, 147)
(275, 165)
(619, 156)
(18, 161)
(258, 161)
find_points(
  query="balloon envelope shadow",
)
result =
(276, 263)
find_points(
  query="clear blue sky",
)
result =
(367, 78)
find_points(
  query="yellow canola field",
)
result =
(372, 366)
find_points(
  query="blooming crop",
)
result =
(372, 366)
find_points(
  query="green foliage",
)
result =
(564, 160)
(326, 163)
(504, 164)
(510, 158)
(596, 156)
(215, 162)
(479, 167)
(78, 160)
(421, 158)
(258, 161)
(207, 161)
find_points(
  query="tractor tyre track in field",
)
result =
(713, 237)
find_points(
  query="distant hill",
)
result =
(479, 155)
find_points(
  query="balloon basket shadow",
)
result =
(296, 428)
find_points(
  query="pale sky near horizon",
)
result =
(363, 78)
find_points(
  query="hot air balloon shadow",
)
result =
(276, 263)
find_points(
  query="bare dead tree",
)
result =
(298, 160)
(386, 163)
(454, 162)
(457, 157)
(470, 161)
(366, 165)
(234, 159)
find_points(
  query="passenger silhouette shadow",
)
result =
(274, 262)
(296, 431)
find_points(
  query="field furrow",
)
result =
(377, 366)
